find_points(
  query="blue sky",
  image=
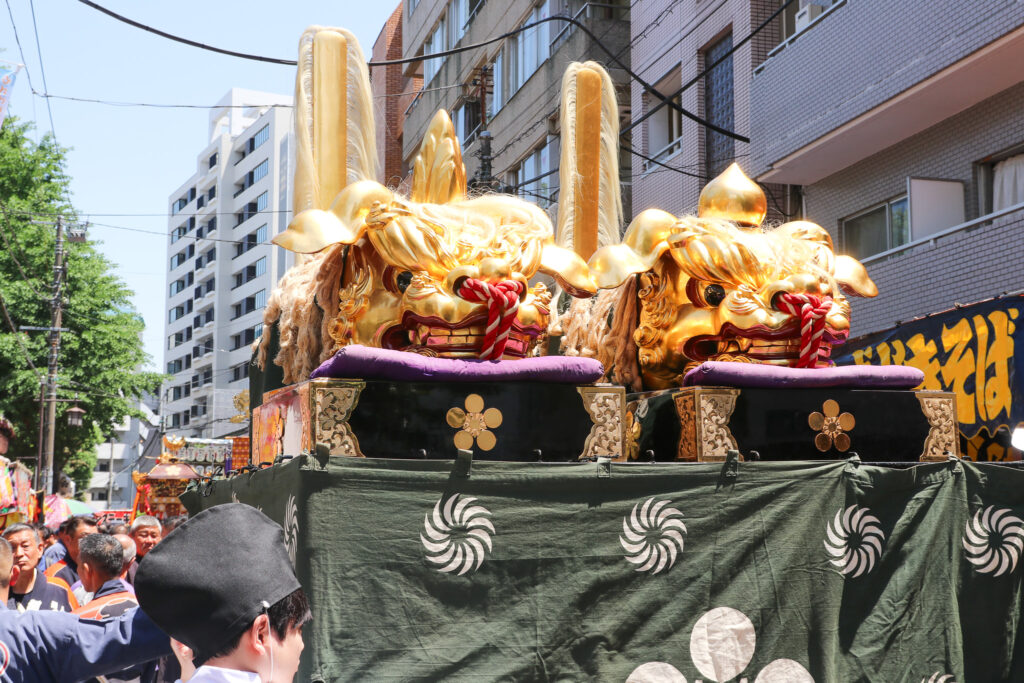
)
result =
(125, 161)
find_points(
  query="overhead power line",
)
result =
(706, 71)
(452, 51)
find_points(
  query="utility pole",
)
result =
(110, 475)
(56, 311)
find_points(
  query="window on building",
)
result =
(532, 46)
(251, 272)
(458, 16)
(525, 177)
(177, 286)
(178, 259)
(246, 336)
(497, 80)
(185, 419)
(213, 161)
(178, 233)
(254, 176)
(877, 229)
(466, 119)
(435, 43)
(212, 193)
(103, 465)
(179, 204)
(253, 239)
(250, 304)
(240, 371)
(718, 108)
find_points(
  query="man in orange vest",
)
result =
(66, 571)
(100, 562)
(32, 590)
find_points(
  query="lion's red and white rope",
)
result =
(502, 299)
(811, 311)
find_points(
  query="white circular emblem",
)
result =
(291, 528)
(784, 671)
(722, 643)
(854, 540)
(993, 539)
(653, 536)
(455, 535)
(656, 672)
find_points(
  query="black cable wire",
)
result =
(42, 69)
(702, 74)
(186, 41)
(445, 53)
(18, 41)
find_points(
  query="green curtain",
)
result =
(793, 571)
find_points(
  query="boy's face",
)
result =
(286, 655)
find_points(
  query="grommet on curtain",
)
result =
(604, 467)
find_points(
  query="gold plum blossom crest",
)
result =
(831, 426)
(474, 424)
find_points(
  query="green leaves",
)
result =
(102, 355)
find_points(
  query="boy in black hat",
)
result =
(223, 585)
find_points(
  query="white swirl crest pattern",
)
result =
(653, 536)
(457, 535)
(854, 521)
(939, 677)
(291, 528)
(993, 540)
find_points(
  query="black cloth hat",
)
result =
(210, 578)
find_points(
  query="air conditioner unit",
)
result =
(806, 15)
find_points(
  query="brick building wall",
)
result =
(860, 55)
(388, 84)
(530, 116)
(963, 267)
(669, 39)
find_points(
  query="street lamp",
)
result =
(75, 416)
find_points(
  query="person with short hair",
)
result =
(118, 528)
(32, 590)
(146, 531)
(38, 647)
(66, 570)
(128, 546)
(58, 550)
(223, 585)
(100, 561)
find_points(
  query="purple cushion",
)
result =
(757, 375)
(364, 362)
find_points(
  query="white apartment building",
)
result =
(111, 487)
(221, 266)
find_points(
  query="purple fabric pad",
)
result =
(756, 375)
(364, 362)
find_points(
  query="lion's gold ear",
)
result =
(439, 176)
(853, 277)
(568, 269)
(313, 230)
(645, 241)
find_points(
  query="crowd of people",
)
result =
(219, 600)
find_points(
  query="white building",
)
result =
(118, 458)
(221, 266)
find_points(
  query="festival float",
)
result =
(683, 492)
(157, 491)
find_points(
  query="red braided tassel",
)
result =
(502, 299)
(811, 311)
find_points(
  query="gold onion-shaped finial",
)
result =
(735, 197)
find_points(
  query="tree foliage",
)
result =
(102, 356)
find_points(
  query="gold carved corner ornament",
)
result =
(474, 424)
(334, 406)
(605, 406)
(704, 415)
(939, 408)
(832, 427)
